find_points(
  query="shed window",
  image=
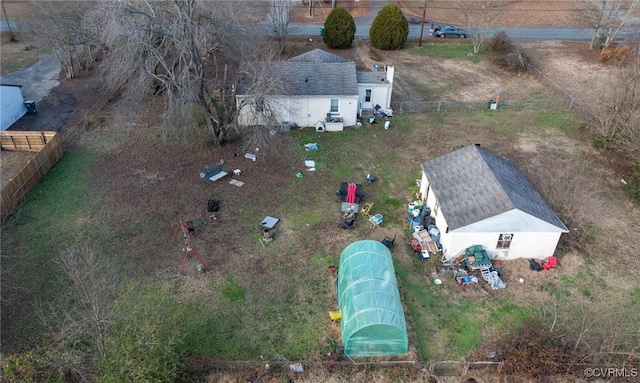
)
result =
(334, 106)
(504, 241)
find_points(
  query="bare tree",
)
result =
(278, 20)
(184, 54)
(614, 120)
(480, 17)
(68, 27)
(607, 18)
(80, 316)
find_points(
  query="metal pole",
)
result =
(424, 14)
(12, 38)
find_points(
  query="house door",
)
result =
(367, 99)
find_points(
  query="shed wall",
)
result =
(11, 106)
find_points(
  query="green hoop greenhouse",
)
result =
(372, 322)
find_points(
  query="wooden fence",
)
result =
(48, 149)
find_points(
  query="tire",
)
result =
(442, 36)
(463, 36)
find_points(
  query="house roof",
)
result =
(372, 78)
(472, 184)
(318, 56)
(315, 73)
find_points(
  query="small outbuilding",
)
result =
(477, 197)
(373, 322)
(12, 106)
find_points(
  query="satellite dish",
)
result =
(376, 66)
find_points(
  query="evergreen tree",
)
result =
(389, 29)
(339, 29)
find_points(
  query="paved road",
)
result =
(5, 24)
(362, 31)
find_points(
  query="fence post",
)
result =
(439, 105)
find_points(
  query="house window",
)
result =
(367, 96)
(504, 241)
(334, 106)
(436, 207)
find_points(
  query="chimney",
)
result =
(390, 70)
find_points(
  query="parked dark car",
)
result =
(449, 31)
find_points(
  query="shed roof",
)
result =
(472, 184)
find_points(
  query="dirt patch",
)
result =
(11, 162)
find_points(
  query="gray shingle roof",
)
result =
(372, 78)
(318, 56)
(472, 184)
(314, 78)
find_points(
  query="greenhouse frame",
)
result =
(373, 322)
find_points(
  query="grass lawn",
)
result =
(269, 300)
(235, 313)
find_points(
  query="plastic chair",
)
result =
(375, 220)
(388, 242)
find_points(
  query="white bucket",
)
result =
(418, 229)
(412, 205)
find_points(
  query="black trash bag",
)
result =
(213, 206)
(535, 266)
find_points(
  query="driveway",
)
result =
(40, 83)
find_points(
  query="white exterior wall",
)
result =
(379, 94)
(11, 106)
(390, 72)
(306, 111)
(523, 245)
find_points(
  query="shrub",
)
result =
(31, 366)
(509, 55)
(534, 351)
(389, 29)
(339, 29)
(618, 54)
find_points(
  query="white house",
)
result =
(11, 105)
(317, 86)
(480, 198)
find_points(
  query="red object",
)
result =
(415, 244)
(351, 193)
(186, 232)
(553, 261)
